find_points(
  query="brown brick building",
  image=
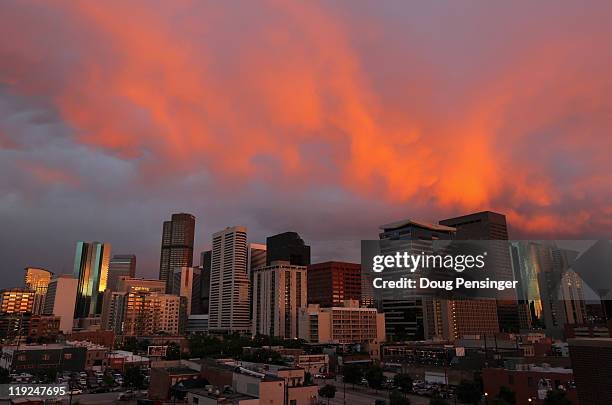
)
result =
(592, 364)
(331, 283)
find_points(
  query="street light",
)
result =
(486, 397)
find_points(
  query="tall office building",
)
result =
(123, 303)
(187, 282)
(491, 226)
(256, 259)
(288, 247)
(331, 283)
(412, 316)
(16, 301)
(229, 282)
(551, 292)
(91, 269)
(61, 300)
(279, 291)
(120, 265)
(176, 245)
(37, 280)
(145, 314)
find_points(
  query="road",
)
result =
(363, 396)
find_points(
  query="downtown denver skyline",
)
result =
(310, 117)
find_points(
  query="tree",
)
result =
(4, 376)
(134, 378)
(557, 397)
(507, 395)
(375, 377)
(327, 391)
(497, 401)
(308, 379)
(352, 374)
(438, 401)
(173, 352)
(469, 392)
(403, 382)
(108, 380)
(397, 398)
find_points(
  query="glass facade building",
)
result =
(91, 270)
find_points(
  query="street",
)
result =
(363, 395)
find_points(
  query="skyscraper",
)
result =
(91, 270)
(331, 283)
(61, 300)
(288, 247)
(279, 292)
(176, 245)
(229, 282)
(187, 282)
(488, 225)
(37, 280)
(414, 316)
(120, 265)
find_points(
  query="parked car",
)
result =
(75, 392)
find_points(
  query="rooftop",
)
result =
(409, 222)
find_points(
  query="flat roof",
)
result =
(590, 342)
(425, 225)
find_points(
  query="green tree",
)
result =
(398, 398)
(403, 382)
(375, 377)
(308, 379)
(438, 401)
(173, 352)
(557, 397)
(327, 391)
(469, 392)
(4, 376)
(108, 380)
(352, 374)
(134, 378)
(497, 401)
(507, 395)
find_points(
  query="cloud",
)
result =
(331, 114)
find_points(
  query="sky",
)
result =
(326, 118)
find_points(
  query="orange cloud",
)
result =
(282, 92)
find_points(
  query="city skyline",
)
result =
(313, 118)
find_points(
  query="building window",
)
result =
(293, 402)
(67, 356)
(45, 357)
(21, 357)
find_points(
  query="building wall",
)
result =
(91, 270)
(16, 301)
(61, 300)
(37, 280)
(331, 283)
(591, 359)
(229, 282)
(177, 244)
(279, 291)
(527, 383)
(349, 324)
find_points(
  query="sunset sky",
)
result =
(327, 118)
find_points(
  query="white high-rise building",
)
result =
(229, 282)
(279, 291)
(60, 300)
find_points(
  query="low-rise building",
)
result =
(163, 378)
(33, 358)
(345, 325)
(591, 359)
(96, 354)
(529, 382)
